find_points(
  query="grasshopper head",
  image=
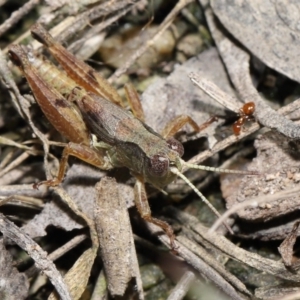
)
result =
(157, 171)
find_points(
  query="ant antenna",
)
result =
(179, 174)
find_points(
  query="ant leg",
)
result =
(142, 204)
(178, 122)
(82, 152)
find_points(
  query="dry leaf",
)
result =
(278, 161)
(116, 240)
(286, 248)
(280, 168)
(77, 277)
(269, 29)
(176, 94)
(14, 285)
(80, 184)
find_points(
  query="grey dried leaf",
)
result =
(80, 184)
(236, 61)
(267, 233)
(77, 277)
(116, 239)
(277, 292)
(71, 7)
(279, 164)
(177, 95)
(55, 214)
(269, 29)
(40, 257)
(286, 248)
(14, 285)
(266, 265)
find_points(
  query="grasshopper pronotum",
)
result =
(124, 140)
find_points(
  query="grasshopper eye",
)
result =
(158, 165)
(176, 146)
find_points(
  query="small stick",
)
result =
(18, 15)
(162, 27)
(182, 286)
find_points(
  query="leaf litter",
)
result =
(188, 99)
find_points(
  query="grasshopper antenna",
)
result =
(179, 174)
(218, 170)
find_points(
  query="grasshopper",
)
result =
(124, 139)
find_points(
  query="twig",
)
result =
(182, 286)
(7, 78)
(255, 202)
(201, 266)
(289, 296)
(222, 145)
(67, 247)
(86, 18)
(211, 261)
(276, 268)
(215, 92)
(58, 252)
(96, 29)
(160, 30)
(21, 105)
(21, 189)
(2, 2)
(14, 163)
(23, 201)
(13, 232)
(233, 138)
(237, 64)
(18, 15)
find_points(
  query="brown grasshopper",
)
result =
(125, 141)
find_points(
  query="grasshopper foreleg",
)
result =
(178, 122)
(142, 204)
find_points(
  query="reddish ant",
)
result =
(245, 114)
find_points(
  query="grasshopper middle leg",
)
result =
(82, 152)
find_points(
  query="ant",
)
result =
(245, 114)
